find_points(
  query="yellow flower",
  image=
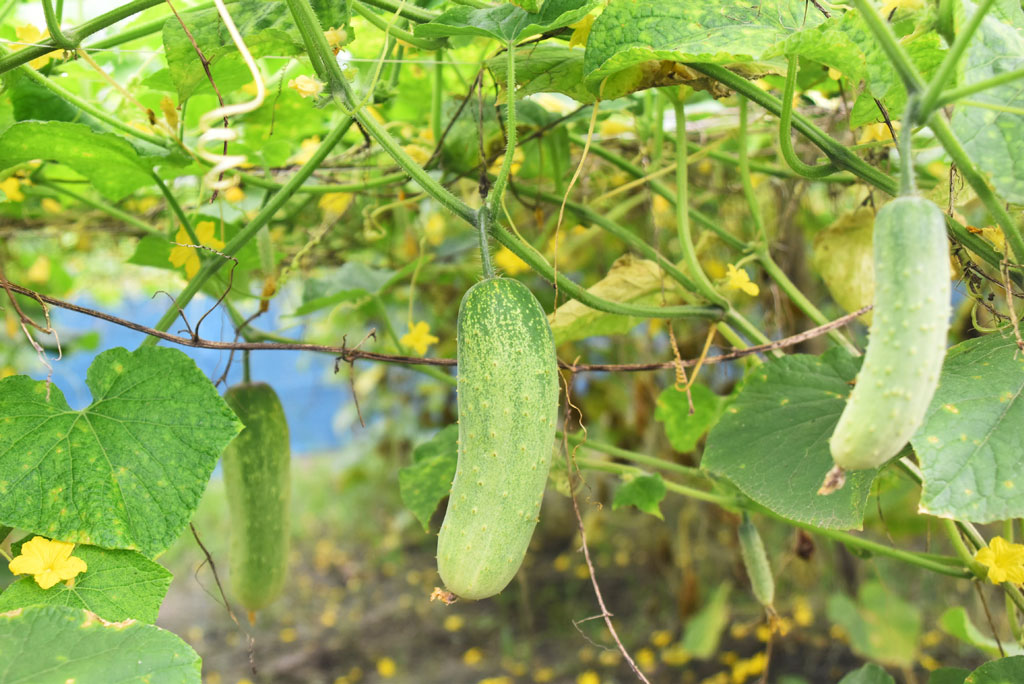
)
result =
(335, 37)
(386, 667)
(288, 635)
(1004, 560)
(472, 656)
(12, 188)
(509, 262)
(50, 561)
(419, 338)
(51, 206)
(170, 111)
(335, 202)
(877, 132)
(306, 86)
(418, 153)
(588, 677)
(30, 34)
(661, 638)
(453, 623)
(738, 279)
(645, 659)
(182, 255)
(234, 194)
(434, 228)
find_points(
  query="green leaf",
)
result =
(969, 444)
(881, 625)
(352, 280)
(957, 623)
(423, 484)
(684, 429)
(948, 675)
(703, 632)
(837, 42)
(645, 492)
(119, 585)
(125, 472)
(268, 30)
(1003, 671)
(505, 22)
(883, 83)
(733, 32)
(630, 280)
(58, 644)
(869, 674)
(114, 167)
(772, 442)
(994, 139)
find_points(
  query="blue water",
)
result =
(306, 383)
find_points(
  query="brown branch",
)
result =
(350, 354)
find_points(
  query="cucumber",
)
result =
(257, 481)
(908, 336)
(755, 560)
(508, 407)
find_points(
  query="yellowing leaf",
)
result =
(843, 258)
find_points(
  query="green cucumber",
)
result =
(257, 481)
(755, 560)
(508, 407)
(908, 336)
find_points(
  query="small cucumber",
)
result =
(508, 407)
(257, 481)
(908, 336)
(755, 560)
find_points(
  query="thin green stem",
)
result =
(907, 184)
(387, 179)
(744, 168)
(945, 73)
(108, 209)
(949, 96)
(723, 500)
(397, 32)
(436, 97)
(53, 26)
(797, 297)
(6, 8)
(962, 552)
(501, 182)
(320, 53)
(635, 457)
(686, 245)
(77, 34)
(940, 127)
(484, 219)
(786, 131)
(405, 9)
(176, 209)
(887, 40)
(208, 269)
(143, 30)
(840, 155)
(752, 332)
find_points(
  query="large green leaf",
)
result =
(734, 32)
(869, 674)
(948, 675)
(882, 626)
(352, 280)
(125, 472)
(115, 168)
(772, 442)
(1003, 671)
(994, 137)
(267, 27)
(645, 492)
(970, 443)
(119, 585)
(423, 484)
(57, 645)
(957, 623)
(505, 22)
(703, 632)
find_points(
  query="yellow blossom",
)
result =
(183, 255)
(335, 203)
(588, 677)
(738, 279)
(386, 667)
(335, 37)
(418, 153)
(170, 111)
(615, 126)
(288, 635)
(33, 36)
(877, 132)
(543, 674)
(306, 149)
(306, 86)
(645, 659)
(234, 194)
(472, 656)
(419, 338)
(518, 157)
(434, 228)
(51, 206)
(453, 623)
(49, 561)
(39, 271)
(12, 188)
(1004, 560)
(661, 638)
(509, 262)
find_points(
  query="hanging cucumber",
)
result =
(257, 481)
(755, 560)
(908, 338)
(508, 407)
